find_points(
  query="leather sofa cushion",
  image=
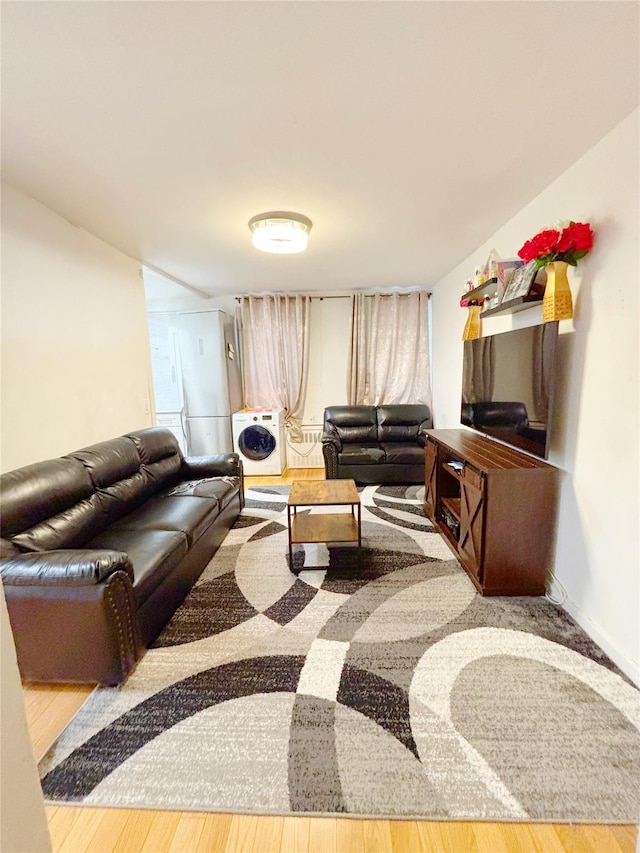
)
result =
(39, 491)
(121, 498)
(153, 553)
(7, 549)
(154, 444)
(402, 453)
(71, 528)
(159, 454)
(114, 468)
(360, 454)
(353, 423)
(190, 515)
(109, 461)
(222, 489)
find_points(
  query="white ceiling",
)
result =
(407, 131)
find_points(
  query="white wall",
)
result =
(596, 423)
(186, 301)
(22, 817)
(75, 352)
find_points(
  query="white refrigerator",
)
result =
(197, 380)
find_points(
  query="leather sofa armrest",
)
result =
(72, 567)
(330, 436)
(330, 450)
(422, 434)
(219, 465)
(73, 616)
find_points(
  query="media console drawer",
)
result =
(472, 476)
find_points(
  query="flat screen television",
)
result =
(507, 386)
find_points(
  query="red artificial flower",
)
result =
(542, 244)
(527, 252)
(565, 243)
(570, 244)
(582, 236)
(545, 242)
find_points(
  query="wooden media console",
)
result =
(496, 509)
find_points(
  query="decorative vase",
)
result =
(557, 303)
(473, 325)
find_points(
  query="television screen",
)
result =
(507, 386)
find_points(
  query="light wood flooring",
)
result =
(75, 830)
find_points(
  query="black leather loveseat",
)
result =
(100, 546)
(375, 444)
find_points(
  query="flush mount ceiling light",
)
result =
(280, 231)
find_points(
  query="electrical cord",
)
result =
(553, 581)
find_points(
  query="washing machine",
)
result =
(259, 439)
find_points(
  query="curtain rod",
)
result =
(337, 296)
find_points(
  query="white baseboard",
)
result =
(629, 667)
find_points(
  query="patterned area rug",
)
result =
(382, 688)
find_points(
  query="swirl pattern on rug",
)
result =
(381, 686)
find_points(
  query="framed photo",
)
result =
(520, 282)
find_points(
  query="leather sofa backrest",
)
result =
(64, 503)
(49, 505)
(115, 471)
(159, 454)
(402, 421)
(353, 424)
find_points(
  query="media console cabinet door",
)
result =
(430, 478)
(471, 528)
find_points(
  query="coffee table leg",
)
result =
(290, 546)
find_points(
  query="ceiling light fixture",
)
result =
(280, 231)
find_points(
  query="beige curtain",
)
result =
(389, 349)
(275, 343)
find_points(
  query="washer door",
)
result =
(256, 443)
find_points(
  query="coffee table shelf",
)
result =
(312, 528)
(325, 527)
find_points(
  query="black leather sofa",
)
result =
(100, 546)
(375, 444)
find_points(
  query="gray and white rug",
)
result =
(382, 688)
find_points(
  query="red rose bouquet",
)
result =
(568, 242)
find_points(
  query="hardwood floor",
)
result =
(96, 830)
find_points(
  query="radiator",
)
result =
(308, 452)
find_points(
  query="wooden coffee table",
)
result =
(323, 526)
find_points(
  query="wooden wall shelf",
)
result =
(513, 305)
(486, 289)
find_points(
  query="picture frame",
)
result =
(520, 283)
